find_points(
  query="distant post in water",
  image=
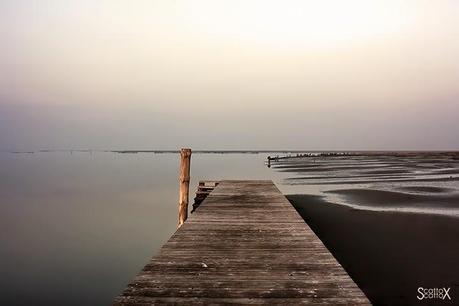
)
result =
(185, 160)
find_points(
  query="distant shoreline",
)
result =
(353, 152)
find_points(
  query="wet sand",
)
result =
(440, 198)
(391, 218)
(389, 255)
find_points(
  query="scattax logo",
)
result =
(433, 293)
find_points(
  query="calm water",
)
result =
(75, 228)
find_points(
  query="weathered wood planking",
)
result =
(245, 244)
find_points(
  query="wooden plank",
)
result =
(245, 244)
(208, 183)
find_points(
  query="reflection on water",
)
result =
(401, 230)
(415, 182)
(75, 228)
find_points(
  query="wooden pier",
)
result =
(245, 244)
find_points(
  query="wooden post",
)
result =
(185, 158)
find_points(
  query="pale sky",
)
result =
(261, 74)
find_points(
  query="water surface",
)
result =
(75, 228)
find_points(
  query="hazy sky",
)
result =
(229, 74)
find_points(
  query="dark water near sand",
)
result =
(75, 228)
(390, 220)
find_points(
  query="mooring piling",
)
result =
(184, 179)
